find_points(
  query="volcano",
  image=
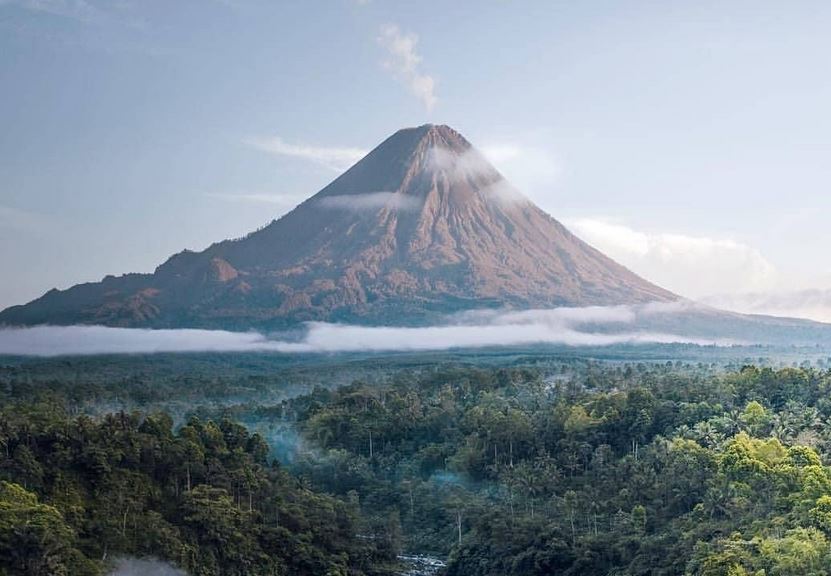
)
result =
(420, 227)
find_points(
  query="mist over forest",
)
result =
(453, 463)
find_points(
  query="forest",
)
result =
(80, 490)
(558, 467)
(624, 470)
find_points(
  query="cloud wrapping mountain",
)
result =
(370, 201)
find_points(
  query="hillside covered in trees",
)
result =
(557, 467)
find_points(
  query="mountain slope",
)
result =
(422, 225)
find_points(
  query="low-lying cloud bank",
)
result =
(592, 326)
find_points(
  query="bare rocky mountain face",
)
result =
(420, 227)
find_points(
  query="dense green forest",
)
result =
(78, 491)
(557, 467)
(622, 470)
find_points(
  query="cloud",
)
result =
(57, 340)
(505, 193)
(694, 266)
(335, 158)
(144, 567)
(467, 165)
(504, 165)
(813, 304)
(404, 62)
(370, 201)
(532, 169)
(502, 153)
(592, 326)
(472, 166)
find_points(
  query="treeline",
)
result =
(77, 492)
(649, 470)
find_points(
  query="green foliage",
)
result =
(644, 470)
(202, 497)
(557, 468)
(755, 418)
(34, 537)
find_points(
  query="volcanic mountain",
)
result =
(421, 226)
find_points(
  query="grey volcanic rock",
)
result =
(423, 225)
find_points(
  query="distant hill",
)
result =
(422, 226)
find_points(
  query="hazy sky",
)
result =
(690, 140)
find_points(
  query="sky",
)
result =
(688, 140)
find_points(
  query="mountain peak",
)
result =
(411, 159)
(430, 136)
(422, 225)
(425, 128)
(443, 164)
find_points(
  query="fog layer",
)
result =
(592, 326)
